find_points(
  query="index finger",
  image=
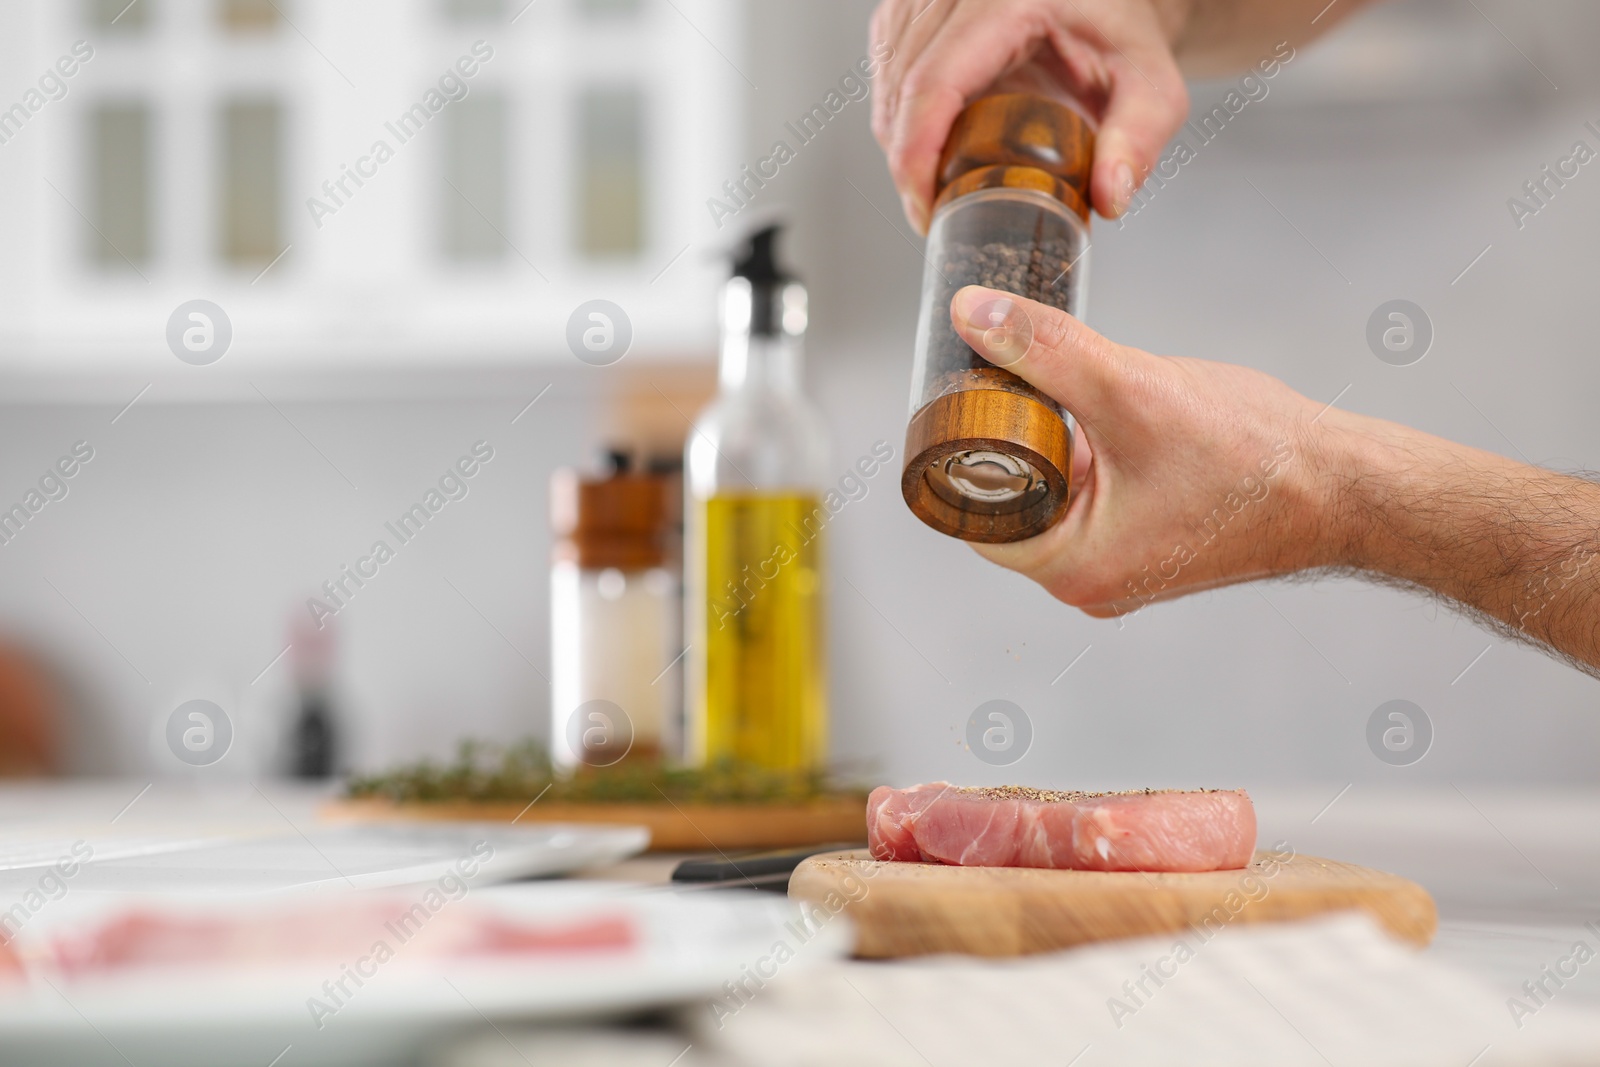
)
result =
(972, 49)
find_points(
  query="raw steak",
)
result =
(1014, 826)
(327, 933)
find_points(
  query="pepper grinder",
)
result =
(988, 456)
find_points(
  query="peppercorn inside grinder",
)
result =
(988, 456)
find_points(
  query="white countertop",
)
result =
(1513, 870)
(1516, 872)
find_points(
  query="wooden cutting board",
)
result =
(914, 909)
(674, 827)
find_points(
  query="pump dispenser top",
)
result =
(762, 299)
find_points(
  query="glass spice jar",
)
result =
(988, 456)
(615, 615)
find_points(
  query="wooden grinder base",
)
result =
(987, 420)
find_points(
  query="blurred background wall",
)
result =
(1377, 167)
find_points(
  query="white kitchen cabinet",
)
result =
(204, 149)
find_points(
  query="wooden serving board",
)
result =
(674, 827)
(914, 909)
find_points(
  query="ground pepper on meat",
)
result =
(1060, 796)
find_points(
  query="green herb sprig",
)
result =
(523, 771)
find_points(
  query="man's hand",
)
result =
(1186, 475)
(1114, 56)
(1118, 58)
(1190, 475)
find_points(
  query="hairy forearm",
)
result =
(1217, 38)
(1516, 544)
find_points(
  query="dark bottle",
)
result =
(315, 744)
(314, 740)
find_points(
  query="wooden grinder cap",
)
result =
(1019, 141)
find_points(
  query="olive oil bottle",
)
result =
(754, 469)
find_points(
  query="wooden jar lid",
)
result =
(621, 521)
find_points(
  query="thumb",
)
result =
(1047, 348)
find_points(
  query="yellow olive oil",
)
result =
(761, 696)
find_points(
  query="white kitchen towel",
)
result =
(1327, 993)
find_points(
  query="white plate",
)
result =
(366, 856)
(688, 946)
